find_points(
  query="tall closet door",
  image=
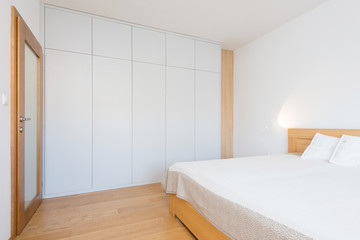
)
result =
(68, 133)
(180, 115)
(148, 122)
(112, 126)
(208, 115)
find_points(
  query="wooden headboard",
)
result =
(300, 138)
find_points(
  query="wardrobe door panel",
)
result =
(148, 122)
(111, 39)
(148, 46)
(180, 51)
(208, 115)
(180, 115)
(67, 31)
(208, 56)
(112, 126)
(68, 130)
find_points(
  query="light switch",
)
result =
(4, 99)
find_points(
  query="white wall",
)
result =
(305, 74)
(30, 11)
(4, 120)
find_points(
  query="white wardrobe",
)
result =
(124, 102)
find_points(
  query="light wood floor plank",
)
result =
(136, 213)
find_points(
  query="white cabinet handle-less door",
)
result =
(111, 39)
(148, 46)
(180, 51)
(208, 56)
(67, 31)
(68, 130)
(180, 115)
(149, 122)
(208, 115)
(112, 126)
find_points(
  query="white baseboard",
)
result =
(45, 196)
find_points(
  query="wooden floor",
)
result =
(129, 213)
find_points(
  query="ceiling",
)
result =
(232, 22)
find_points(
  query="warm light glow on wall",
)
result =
(290, 116)
(313, 103)
(283, 120)
(295, 112)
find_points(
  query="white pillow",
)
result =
(347, 152)
(321, 148)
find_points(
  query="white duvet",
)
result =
(272, 197)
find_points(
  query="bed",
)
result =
(268, 197)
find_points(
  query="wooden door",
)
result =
(26, 123)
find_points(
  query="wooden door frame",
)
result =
(21, 33)
(13, 121)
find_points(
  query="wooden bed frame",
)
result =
(299, 140)
(193, 220)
